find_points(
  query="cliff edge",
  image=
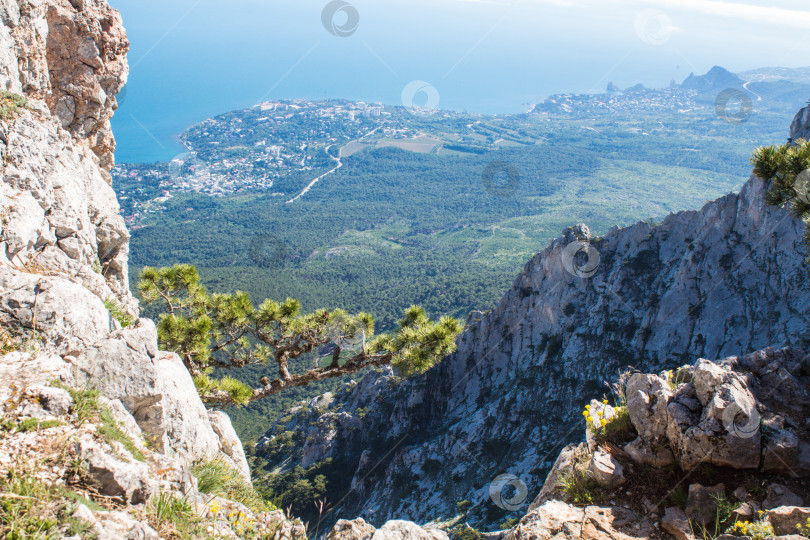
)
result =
(101, 433)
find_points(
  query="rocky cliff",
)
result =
(97, 425)
(712, 449)
(723, 281)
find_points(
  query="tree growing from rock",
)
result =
(227, 331)
(787, 168)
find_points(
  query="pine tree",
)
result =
(227, 331)
(787, 167)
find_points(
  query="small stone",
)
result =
(700, 504)
(785, 518)
(606, 470)
(676, 523)
(779, 495)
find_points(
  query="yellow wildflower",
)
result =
(587, 407)
(604, 422)
(600, 413)
(214, 507)
(604, 402)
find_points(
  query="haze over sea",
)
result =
(200, 58)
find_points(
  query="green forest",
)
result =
(393, 228)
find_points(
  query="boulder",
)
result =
(123, 367)
(647, 398)
(20, 370)
(605, 470)
(56, 401)
(61, 313)
(779, 495)
(356, 529)
(560, 521)
(118, 525)
(407, 530)
(124, 478)
(785, 454)
(642, 452)
(784, 519)
(727, 433)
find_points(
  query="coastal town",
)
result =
(281, 148)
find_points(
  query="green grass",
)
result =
(86, 407)
(29, 424)
(579, 489)
(174, 516)
(218, 478)
(109, 430)
(32, 509)
(85, 401)
(465, 532)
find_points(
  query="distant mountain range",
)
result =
(771, 87)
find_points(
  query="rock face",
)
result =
(72, 55)
(585, 308)
(66, 312)
(561, 521)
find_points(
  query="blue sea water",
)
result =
(194, 59)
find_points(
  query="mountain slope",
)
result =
(726, 280)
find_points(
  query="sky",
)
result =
(193, 59)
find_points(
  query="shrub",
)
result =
(10, 105)
(218, 478)
(465, 532)
(173, 516)
(579, 489)
(118, 313)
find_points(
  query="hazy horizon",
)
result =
(201, 58)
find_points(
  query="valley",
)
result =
(436, 208)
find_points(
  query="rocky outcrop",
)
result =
(72, 56)
(67, 317)
(755, 409)
(358, 529)
(585, 308)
